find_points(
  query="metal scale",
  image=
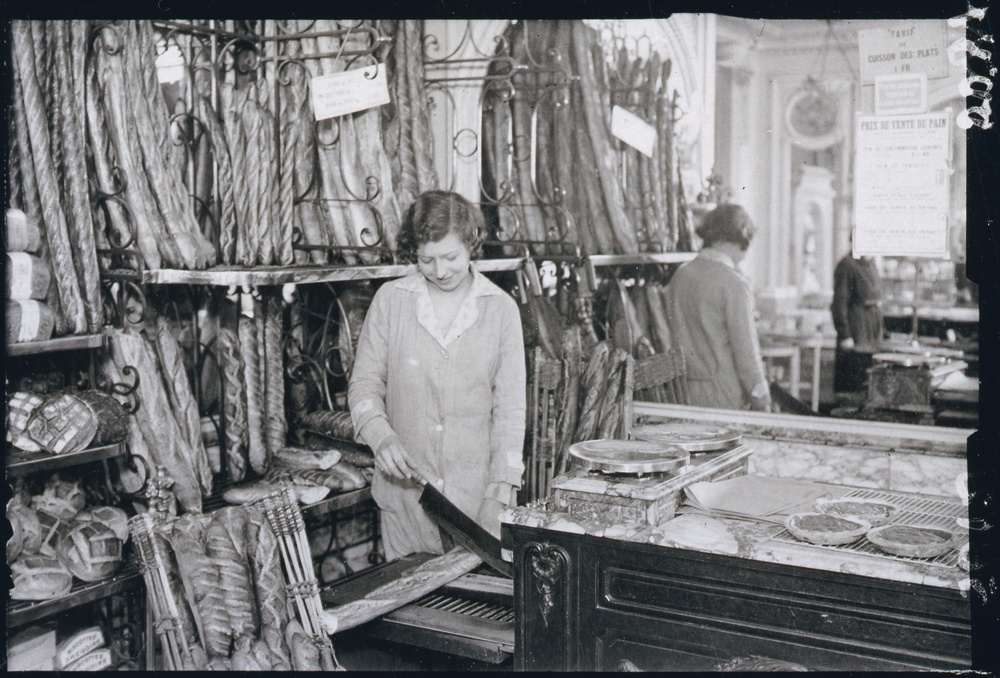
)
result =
(642, 480)
(906, 381)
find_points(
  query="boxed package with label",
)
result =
(79, 644)
(33, 649)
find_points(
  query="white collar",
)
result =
(467, 313)
(713, 254)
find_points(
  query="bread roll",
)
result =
(63, 424)
(109, 516)
(90, 550)
(30, 527)
(112, 420)
(29, 320)
(16, 536)
(51, 529)
(23, 235)
(28, 276)
(60, 498)
(20, 407)
(39, 577)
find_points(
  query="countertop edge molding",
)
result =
(939, 440)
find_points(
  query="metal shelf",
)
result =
(20, 463)
(641, 259)
(338, 501)
(23, 612)
(71, 343)
(332, 503)
(225, 276)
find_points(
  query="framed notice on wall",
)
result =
(901, 185)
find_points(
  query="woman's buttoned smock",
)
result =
(710, 313)
(454, 396)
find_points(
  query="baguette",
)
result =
(226, 540)
(201, 584)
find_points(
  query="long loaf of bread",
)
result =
(201, 582)
(272, 600)
(226, 540)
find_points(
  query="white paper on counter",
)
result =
(759, 496)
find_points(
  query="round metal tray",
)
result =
(691, 437)
(628, 456)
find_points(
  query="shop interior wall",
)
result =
(761, 65)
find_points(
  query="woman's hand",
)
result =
(489, 515)
(392, 459)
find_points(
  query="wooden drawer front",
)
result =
(676, 646)
(825, 613)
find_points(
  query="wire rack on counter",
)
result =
(911, 510)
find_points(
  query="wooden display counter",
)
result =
(699, 592)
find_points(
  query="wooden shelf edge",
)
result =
(301, 275)
(20, 463)
(23, 612)
(338, 501)
(641, 259)
(70, 343)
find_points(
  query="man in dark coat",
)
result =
(857, 316)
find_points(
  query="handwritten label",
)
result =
(905, 47)
(901, 94)
(349, 92)
(901, 185)
(633, 130)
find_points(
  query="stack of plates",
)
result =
(628, 456)
(694, 438)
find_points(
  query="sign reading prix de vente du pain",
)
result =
(919, 46)
(901, 185)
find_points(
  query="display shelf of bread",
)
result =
(52, 430)
(61, 552)
(21, 463)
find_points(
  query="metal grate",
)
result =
(470, 608)
(914, 511)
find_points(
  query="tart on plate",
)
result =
(826, 529)
(875, 513)
(912, 542)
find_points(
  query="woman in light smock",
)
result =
(710, 313)
(438, 384)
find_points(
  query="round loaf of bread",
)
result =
(16, 536)
(90, 550)
(63, 424)
(31, 529)
(39, 577)
(60, 498)
(20, 407)
(109, 516)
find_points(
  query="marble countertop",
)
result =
(743, 539)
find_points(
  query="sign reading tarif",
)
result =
(917, 46)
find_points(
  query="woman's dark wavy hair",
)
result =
(432, 216)
(729, 223)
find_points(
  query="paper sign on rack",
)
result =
(338, 94)
(633, 130)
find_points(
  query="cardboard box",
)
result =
(33, 649)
